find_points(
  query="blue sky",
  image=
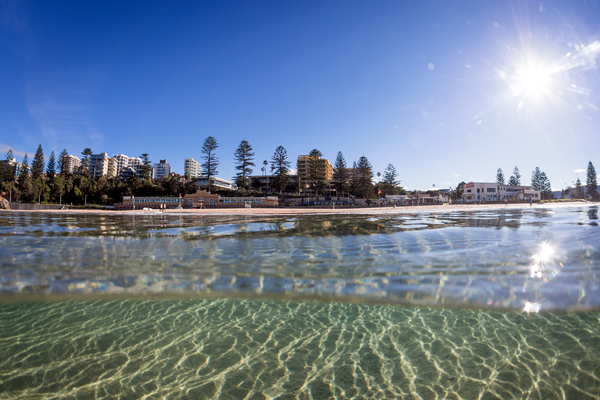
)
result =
(444, 90)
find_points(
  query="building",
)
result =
(112, 168)
(266, 182)
(127, 166)
(325, 168)
(214, 181)
(161, 169)
(484, 191)
(71, 164)
(191, 168)
(99, 165)
(203, 199)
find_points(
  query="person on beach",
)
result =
(530, 202)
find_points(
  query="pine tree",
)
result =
(37, 166)
(592, 182)
(51, 166)
(62, 162)
(211, 161)
(536, 179)
(243, 157)
(146, 167)
(8, 168)
(84, 168)
(545, 186)
(340, 174)
(365, 177)
(315, 175)
(500, 177)
(281, 165)
(389, 180)
(515, 179)
(578, 194)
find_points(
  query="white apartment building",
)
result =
(71, 164)
(99, 165)
(161, 169)
(484, 191)
(127, 166)
(191, 168)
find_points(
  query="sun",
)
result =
(535, 80)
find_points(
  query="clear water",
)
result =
(458, 305)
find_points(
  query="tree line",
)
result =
(51, 182)
(540, 182)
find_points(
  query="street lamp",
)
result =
(85, 203)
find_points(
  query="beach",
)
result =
(321, 210)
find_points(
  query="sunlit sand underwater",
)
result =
(489, 305)
(251, 349)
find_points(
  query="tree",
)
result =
(460, 189)
(315, 175)
(577, 194)
(365, 177)
(546, 187)
(340, 174)
(51, 167)
(390, 183)
(84, 168)
(37, 166)
(8, 171)
(592, 182)
(536, 179)
(243, 157)
(146, 167)
(211, 161)
(500, 177)
(515, 179)
(281, 166)
(62, 162)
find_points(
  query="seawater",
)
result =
(488, 304)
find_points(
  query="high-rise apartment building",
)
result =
(161, 169)
(99, 165)
(191, 168)
(127, 166)
(71, 164)
(324, 167)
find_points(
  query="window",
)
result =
(211, 201)
(491, 190)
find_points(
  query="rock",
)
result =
(4, 205)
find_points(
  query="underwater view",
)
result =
(475, 304)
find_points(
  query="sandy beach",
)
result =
(311, 211)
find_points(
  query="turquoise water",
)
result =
(458, 305)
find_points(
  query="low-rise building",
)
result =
(214, 181)
(485, 191)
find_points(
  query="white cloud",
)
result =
(4, 149)
(397, 126)
(579, 170)
(455, 174)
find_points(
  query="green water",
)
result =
(245, 349)
(489, 304)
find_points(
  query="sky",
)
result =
(446, 91)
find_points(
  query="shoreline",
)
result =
(308, 211)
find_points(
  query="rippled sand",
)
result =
(234, 349)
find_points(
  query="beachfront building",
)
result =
(128, 166)
(204, 199)
(484, 191)
(161, 169)
(71, 164)
(214, 181)
(99, 166)
(191, 168)
(324, 167)
(265, 182)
